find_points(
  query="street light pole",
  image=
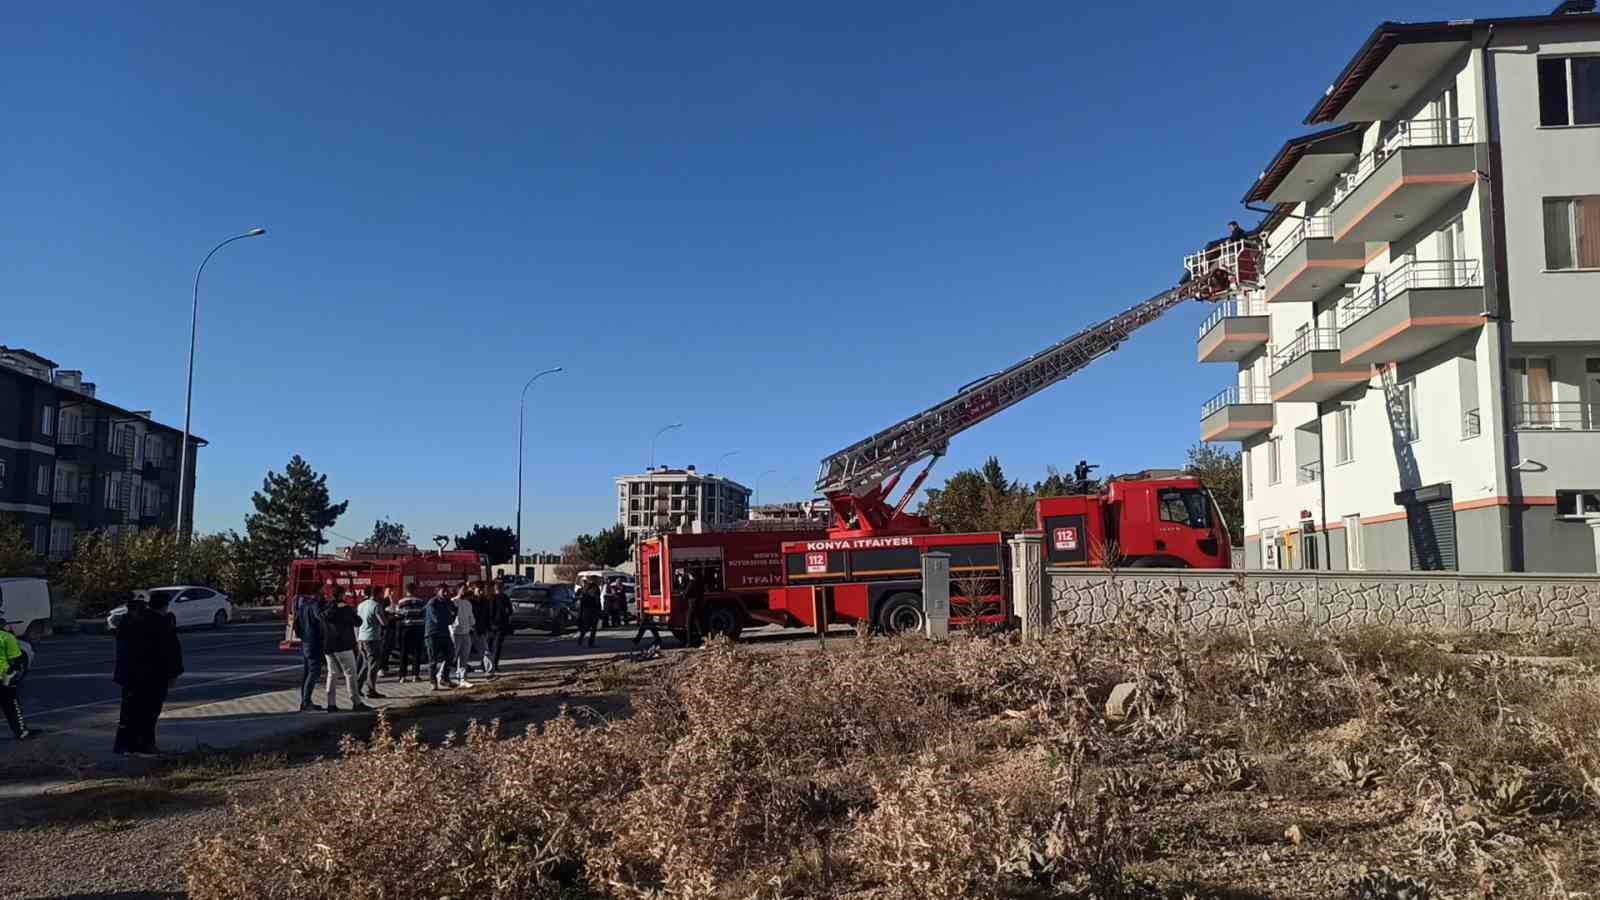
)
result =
(717, 516)
(663, 430)
(758, 483)
(188, 392)
(522, 412)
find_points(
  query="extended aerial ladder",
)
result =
(858, 480)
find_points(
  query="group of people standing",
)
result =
(355, 643)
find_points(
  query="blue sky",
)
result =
(785, 227)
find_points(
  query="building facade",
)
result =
(798, 514)
(71, 462)
(1418, 372)
(667, 499)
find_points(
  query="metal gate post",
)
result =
(1027, 585)
(936, 594)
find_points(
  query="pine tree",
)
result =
(292, 510)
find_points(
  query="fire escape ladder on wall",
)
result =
(125, 448)
(1425, 547)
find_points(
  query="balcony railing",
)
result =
(1312, 340)
(1309, 472)
(1556, 416)
(1235, 396)
(75, 438)
(68, 495)
(1471, 424)
(1317, 226)
(1418, 133)
(1250, 305)
(1416, 273)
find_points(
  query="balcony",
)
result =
(1233, 329)
(1235, 414)
(1556, 416)
(1416, 307)
(1309, 263)
(1308, 473)
(1419, 169)
(1308, 370)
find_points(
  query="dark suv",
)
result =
(549, 607)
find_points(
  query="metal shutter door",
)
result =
(1432, 528)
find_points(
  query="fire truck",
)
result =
(413, 570)
(865, 568)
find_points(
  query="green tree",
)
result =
(980, 500)
(388, 534)
(292, 510)
(606, 548)
(1219, 470)
(497, 542)
(16, 554)
(106, 566)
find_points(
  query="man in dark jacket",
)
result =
(308, 628)
(499, 623)
(694, 601)
(149, 660)
(589, 609)
(339, 624)
(438, 618)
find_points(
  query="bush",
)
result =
(743, 771)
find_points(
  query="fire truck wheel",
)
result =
(901, 612)
(724, 619)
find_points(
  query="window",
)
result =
(1274, 460)
(1409, 423)
(1269, 547)
(1354, 559)
(1533, 391)
(2, 473)
(1577, 504)
(47, 421)
(1344, 444)
(1249, 480)
(1572, 233)
(60, 539)
(1184, 507)
(1569, 91)
(43, 485)
(113, 488)
(41, 539)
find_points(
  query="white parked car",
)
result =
(190, 604)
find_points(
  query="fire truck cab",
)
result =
(1149, 523)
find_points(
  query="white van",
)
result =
(25, 602)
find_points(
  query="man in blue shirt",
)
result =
(374, 616)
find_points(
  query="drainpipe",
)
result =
(1496, 311)
(1322, 497)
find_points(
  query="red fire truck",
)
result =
(418, 571)
(866, 567)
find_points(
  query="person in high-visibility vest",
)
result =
(12, 664)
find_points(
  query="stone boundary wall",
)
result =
(1332, 600)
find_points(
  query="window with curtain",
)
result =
(1535, 393)
(1572, 232)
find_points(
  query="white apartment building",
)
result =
(1418, 375)
(684, 500)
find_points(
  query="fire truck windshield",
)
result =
(1186, 507)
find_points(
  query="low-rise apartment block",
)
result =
(71, 462)
(1418, 372)
(668, 499)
